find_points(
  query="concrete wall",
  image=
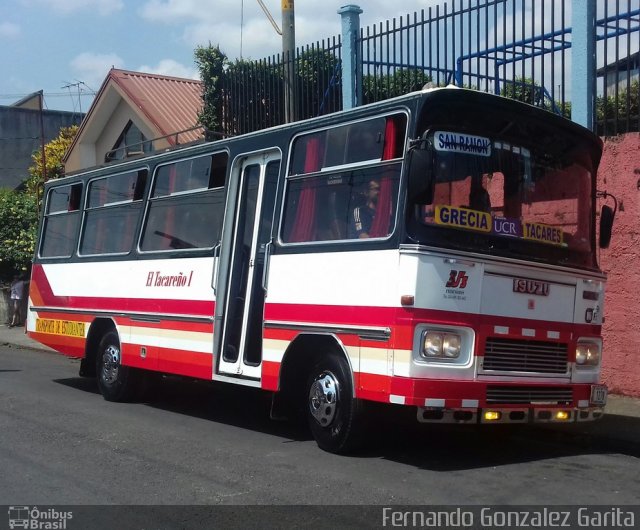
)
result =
(20, 133)
(619, 174)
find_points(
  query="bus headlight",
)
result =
(441, 344)
(587, 353)
(432, 344)
(451, 345)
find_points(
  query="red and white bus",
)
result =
(434, 251)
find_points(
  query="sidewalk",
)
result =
(618, 430)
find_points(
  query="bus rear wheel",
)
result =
(335, 417)
(115, 381)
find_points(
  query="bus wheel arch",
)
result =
(317, 377)
(99, 327)
(116, 381)
(302, 354)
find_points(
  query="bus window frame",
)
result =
(46, 216)
(149, 200)
(364, 164)
(111, 205)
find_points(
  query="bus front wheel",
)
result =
(334, 416)
(115, 381)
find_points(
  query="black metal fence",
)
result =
(517, 48)
(254, 92)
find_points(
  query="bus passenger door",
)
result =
(242, 316)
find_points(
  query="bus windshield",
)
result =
(514, 199)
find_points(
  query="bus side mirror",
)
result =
(606, 225)
(420, 176)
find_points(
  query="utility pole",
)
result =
(288, 34)
(42, 138)
(289, 55)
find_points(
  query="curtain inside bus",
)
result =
(382, 219)
(304, 224)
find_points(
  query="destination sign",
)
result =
(468, 219)
(462, 143)
(542, 233)
(463, 218)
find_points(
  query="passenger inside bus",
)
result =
(361, 218)
(478, 195)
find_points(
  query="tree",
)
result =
(253, 97)
(612, 109)
(54, 153)
(528, 91)
(19, 210)
(211, 63)
(522, 89)
(317, 75)
(402, 81)
(246, 95)
(18, 222)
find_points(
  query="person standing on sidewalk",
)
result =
(17, 292)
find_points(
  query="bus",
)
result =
(435, 251)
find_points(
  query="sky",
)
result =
(66, 47)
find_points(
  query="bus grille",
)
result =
(517, 395)
(509, 355)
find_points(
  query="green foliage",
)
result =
(622, 107)
(252, 91)
(315, 71)
(528, 91)
(18, 222)
(522, 89)
(402, 81)
(248, 95)
(54, 152)
(211, 63)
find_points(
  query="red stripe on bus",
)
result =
(69, 346)
(169, 360)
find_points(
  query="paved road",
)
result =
(61, 443)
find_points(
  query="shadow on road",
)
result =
(395, 435)
(79, 383)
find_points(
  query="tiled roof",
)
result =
(172, 104)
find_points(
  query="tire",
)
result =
(115, 381)
(335, 417)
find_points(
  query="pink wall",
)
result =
(619, 174)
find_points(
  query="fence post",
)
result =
(351, 70)
(583, 62)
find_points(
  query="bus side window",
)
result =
(111, 213)
(187, 205)
(62, 219)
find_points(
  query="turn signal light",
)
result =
(492, 415)
(562, 415)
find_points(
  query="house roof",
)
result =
(169, 104)
(30, 101)
(172, 104)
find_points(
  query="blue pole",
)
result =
(351, 68)
(583, 62)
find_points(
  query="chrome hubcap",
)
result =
(323, 398)
(110, 364)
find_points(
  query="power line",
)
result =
(78, 84)
(47, 94)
